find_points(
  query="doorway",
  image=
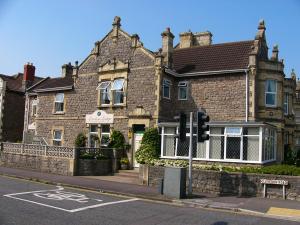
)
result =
(138, 133)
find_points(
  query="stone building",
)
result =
(124, 86)
(12, 102)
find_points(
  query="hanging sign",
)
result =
(99, 116)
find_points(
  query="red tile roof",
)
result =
(14, 83)
(225, 56)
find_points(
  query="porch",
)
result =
(246, 143)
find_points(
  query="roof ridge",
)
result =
(212, 45)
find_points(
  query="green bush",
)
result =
(87, 155)
(282, 169)
(80, 140)
(150, 147)
(117, 140)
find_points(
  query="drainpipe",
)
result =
(247, 95)
(26, 119)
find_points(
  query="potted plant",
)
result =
(124, 163)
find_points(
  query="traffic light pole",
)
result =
(190, 190)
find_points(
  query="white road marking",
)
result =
(104, 204)
(59, 188)
(13, 196)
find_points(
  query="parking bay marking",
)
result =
(59, 195)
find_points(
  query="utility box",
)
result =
(175, 182)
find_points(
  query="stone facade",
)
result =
(236, 184)
(228, 93)
(38, 163)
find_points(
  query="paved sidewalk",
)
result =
(266, 207)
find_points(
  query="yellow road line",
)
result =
(283, 212)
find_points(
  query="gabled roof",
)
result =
(54, 84)
(15, 82)
(216, 57)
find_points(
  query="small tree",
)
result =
(150, 147)
(117, 139)
(80, 140)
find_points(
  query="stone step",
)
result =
(126, 173)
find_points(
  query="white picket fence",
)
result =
(38, 150)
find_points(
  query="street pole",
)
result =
(190, 190)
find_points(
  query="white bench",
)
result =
(284, 183)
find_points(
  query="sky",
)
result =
(52, 33)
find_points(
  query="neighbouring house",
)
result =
(12, 102)
(124, 86)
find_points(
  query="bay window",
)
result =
(270, 93)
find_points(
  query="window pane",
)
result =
(169, 146)
(233, 130)
(118, 97)
(166, 91)
(182, 93)
(271, 86)
(270, 99)
(57, 134)
(251, 148)
(104, 139)
(170, 130)
(59, 97)
(94, 128)
(118, 84)
(105, 97)
(59, 107)
(216, 130)
(251, 130)
(201, 150)
(216, 147)
(104, 85)
(105, 128)
(233, 147)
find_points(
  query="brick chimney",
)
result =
(167, 47)
(29, 72)
(28, 75)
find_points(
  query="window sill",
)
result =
(271, 106)
(58, 113)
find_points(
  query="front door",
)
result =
(137, 140)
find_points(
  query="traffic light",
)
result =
(182, 127)
(202, 118)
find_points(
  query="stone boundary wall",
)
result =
(232, 184)
(92, 167)
(55, 165)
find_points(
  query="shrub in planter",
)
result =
(87, 155)
(117, 140)
(150, 147)
(80, 140)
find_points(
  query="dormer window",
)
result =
(118, 91)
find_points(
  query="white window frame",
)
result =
(104, 133)
(105, 89)
(59, 102)
(286, 103)
(166, 83)
(270, 92)
(55, 139)
(183, 85)
(113, 90)
(91, 133)
(34, 105)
